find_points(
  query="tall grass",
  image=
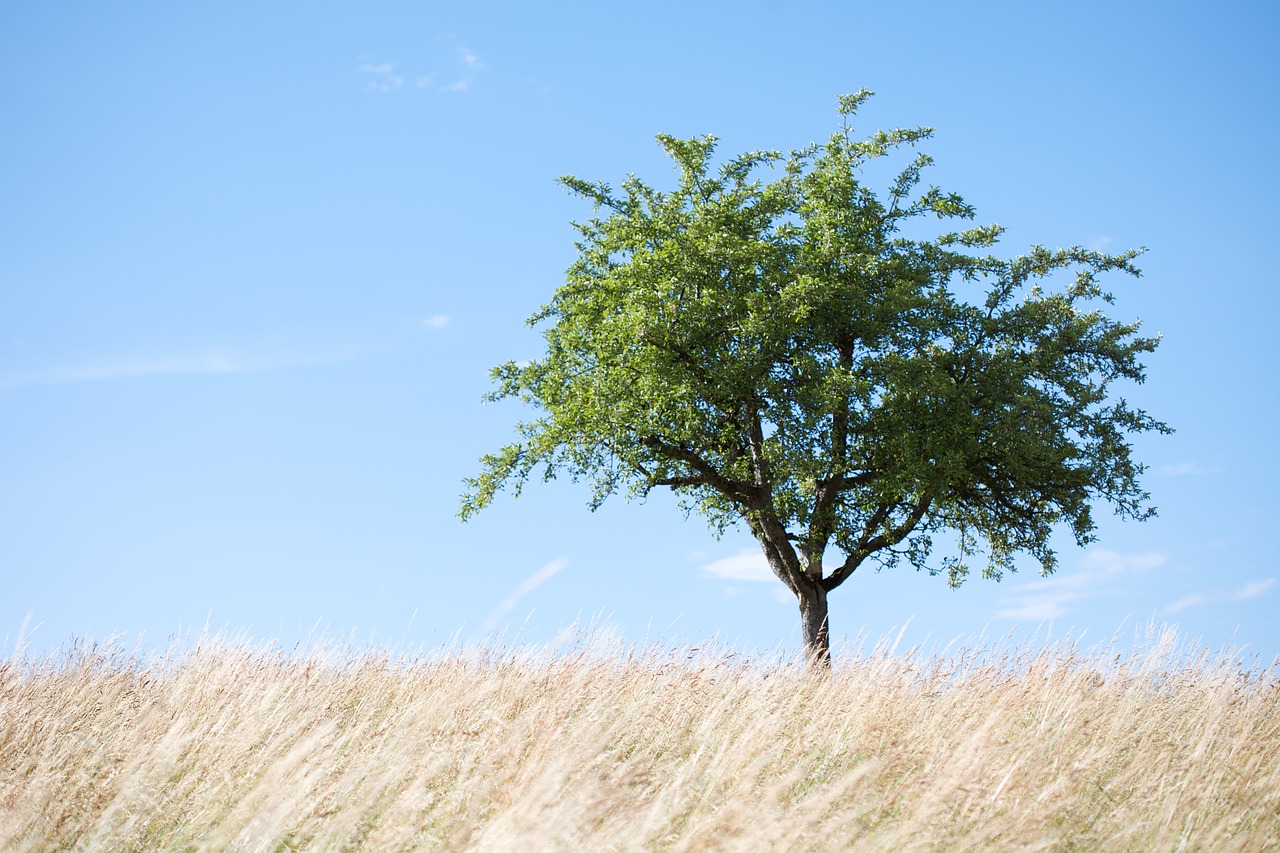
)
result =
(231, 746)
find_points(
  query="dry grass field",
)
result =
(228, 746)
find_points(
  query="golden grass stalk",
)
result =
(230, 746)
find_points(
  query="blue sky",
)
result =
(256, 261)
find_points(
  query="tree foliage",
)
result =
(789, 353)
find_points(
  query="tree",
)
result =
(792, 355)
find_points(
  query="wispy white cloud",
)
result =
(1184, 469)
(1185, 602)
(1053, 597)
(460, 71)
(210, 363)
(747, 565)
(1035, 602)
(525, 587)
(1112, 562)
(382, 76)
(1253, 589)
(437, 321)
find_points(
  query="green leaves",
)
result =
(762, 340)
(849, 103)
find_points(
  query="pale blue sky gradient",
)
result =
(256, 261)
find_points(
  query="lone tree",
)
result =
(787, 353)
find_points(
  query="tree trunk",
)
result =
(814, 626)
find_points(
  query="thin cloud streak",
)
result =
(469, 59)
(1047, 598)
(748, 565)
(1113, 562)
(1053, 597)
(1253, 589)
(214, 363)
(525, 587)
(1039, 606)
(384, 76)
(1185, 602)
(1184, 469)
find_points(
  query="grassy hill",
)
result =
(231, 746)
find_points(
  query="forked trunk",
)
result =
(814, 626)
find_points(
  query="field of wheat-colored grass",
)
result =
(226, 745)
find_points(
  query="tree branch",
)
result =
(869, 546)
(829, 488)
(776, 542)
(759, 461)
(680, 482)
(708, 475)
(845, 484)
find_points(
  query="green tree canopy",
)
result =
(788, 353)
